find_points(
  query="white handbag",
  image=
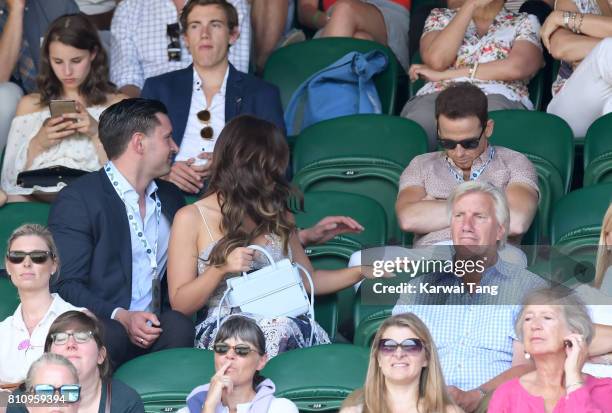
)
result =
(276, 290)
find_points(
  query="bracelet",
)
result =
(483, 393)
(574, 22)
(578, 383)
(473, 69)
(566, 17)
(580, 24)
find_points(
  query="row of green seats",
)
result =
(317, 379)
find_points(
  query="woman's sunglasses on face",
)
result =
(409, 346)
(241, 350)
(67, 393)
(37, 257)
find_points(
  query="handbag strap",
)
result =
(265, 253)
(107, 405)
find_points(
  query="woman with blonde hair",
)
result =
(408, 380)
(603, 271)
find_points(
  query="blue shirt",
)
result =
(474, 333)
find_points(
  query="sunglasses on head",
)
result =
(79, 336)
(410, 346)
(69, 393)
(37, 257)
(241, 350)
(206, 132)
(470, 143)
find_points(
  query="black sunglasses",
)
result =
(207, 132)
(470, 143)
(410, 345)
(68, 393)
(37, 257)
(241, 350)
(174, 47)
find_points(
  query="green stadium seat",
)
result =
(598, 151)
(318, 379)
(536, 85)
(371, 309)
(574, 226)
(335, 309)
(14, 214)
(548, 142)
(9, 298)
(288, 67)
(361, 154)
(164, 379)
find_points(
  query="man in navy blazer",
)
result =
(209, 93)
(112, 229)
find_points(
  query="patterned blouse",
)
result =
(566, 69)
(507, 28)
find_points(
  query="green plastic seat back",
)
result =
(372, 307)
(577, 217)
(164, 379)
(361, 154)
(598, 151)
(318, 379)
(535, 86)
(288, 67)
(334, 312)
(548, 142)
(13, 215)
(368, 212)
(9, 299)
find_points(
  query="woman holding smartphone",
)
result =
(556, 330)
(74, 69)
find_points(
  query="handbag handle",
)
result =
(264, 252)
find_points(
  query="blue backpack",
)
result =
(343, 88)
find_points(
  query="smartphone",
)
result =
(61, 107)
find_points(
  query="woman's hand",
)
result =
(84, 122)
(420, 71)
(53, 131)
(240, 259)
(218, 384)
(577, 355)
(552, 23)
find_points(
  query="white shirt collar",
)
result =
(54, 310)
(198, 82)
(124, 186)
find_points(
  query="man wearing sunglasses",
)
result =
(463, 136)
(112, 229)
(203, 97)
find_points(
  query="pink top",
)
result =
(595, 396)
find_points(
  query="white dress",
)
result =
(77, 152)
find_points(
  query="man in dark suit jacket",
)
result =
(112, 230)
(211, 86)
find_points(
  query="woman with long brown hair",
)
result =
(73, 67)
(246, 203)
(408, 380)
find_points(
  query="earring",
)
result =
(527, 355)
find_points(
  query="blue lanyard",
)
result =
(473, 174)
(135, 223)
